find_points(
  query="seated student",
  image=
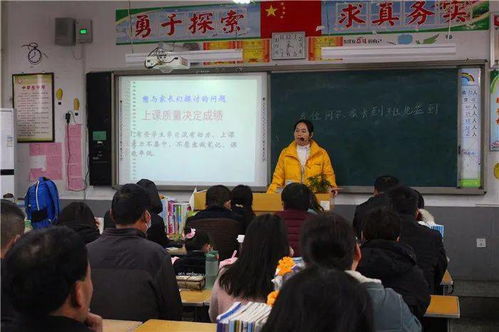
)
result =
(329, 241)
(321, 300)
(48, 281)
(133, 277)
(157, 231)
(197, 244)
(394, 263)
(296, 201)
(424, 217)
(12, 227)
(315, 207)
(250, 277)
(381, 185)
(79, 217)
(217, 205)
(427, 243)
(241, 201)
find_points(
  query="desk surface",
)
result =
(447, 279)
(195, 298)
(155, 325)
(112, 325)
(443, 307)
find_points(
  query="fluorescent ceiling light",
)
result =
(388, 50)
(192, 56)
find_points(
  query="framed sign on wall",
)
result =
(33, 99)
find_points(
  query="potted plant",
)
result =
(319, 184)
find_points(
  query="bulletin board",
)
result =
(33, 99)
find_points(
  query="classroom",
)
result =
(401, 64)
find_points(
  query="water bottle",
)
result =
(211, 268)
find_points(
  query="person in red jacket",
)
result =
(296, 201)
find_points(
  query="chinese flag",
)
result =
(290, 16)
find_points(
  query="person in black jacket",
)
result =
(241, 201)
(133, 277)
(394, 263)
(197, 244)
(427, 243)
(12, 227)
(48, 281)
(79, 217)
(379, 199)
(217, 205)
(157, 231)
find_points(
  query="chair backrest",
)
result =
(222, 231)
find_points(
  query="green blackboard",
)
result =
(374, 122)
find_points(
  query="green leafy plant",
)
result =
(319, 184)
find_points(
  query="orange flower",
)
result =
(285, 265)
(272, 297)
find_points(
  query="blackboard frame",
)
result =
(350, 67)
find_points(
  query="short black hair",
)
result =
(329, 241)
(42, 268)
(76, 213)
(242, 195)
(129, 204)
(308, 123)
(382, 224)
(198, 241)
(12, 221)
(151, 189)
(296, 196)
(385, 182)
(404, 200)
(321, 300)
(217, 196)
(420, 199)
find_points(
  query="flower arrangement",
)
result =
(286, 267)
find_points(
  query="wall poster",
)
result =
(33, 99)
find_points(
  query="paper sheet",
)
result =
(46, 160)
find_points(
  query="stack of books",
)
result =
(174, 215)
(249, 317)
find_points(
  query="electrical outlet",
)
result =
(481, 243)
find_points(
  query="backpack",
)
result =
(42, 203)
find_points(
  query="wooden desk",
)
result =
(195, 298)
(262, 202)
(113, 325)
(443, 307)
(155, 325)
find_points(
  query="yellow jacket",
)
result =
(288, 168)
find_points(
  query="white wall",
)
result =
(26, 22)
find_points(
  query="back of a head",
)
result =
(264, 244)
(321, 300)
(328, 241)
(42, 268)
(385, 182)
(217, 196)
(420, 199)
(242, 195)
(151, 189)
(129, 204)
(76, 213)
(296, 196)
(404, 200)
(381, 224)
(12, 222)
(195, 239)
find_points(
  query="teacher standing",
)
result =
(302, 159)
